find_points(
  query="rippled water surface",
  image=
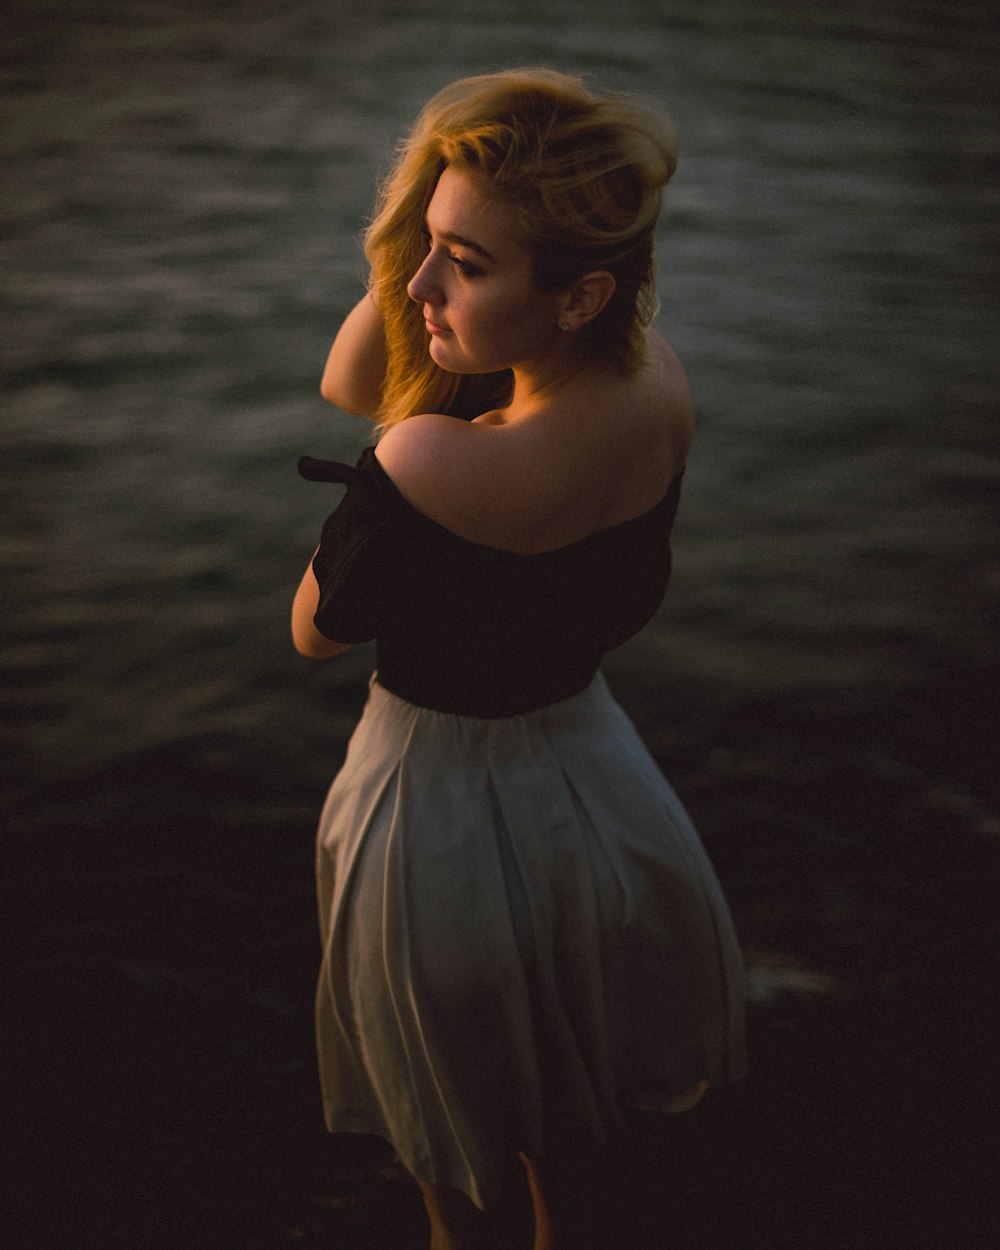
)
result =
(184, 191)
(184, 187)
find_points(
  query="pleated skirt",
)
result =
(523, 938)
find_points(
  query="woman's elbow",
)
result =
(314, 645)
(350, 399)
(330, 392)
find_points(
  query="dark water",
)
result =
(183, 189)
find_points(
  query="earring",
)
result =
(563, 325)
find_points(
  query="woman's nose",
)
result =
(422, 287)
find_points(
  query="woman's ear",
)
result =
(586, 299)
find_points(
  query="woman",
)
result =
(523, 938)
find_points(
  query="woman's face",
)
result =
(482, 310)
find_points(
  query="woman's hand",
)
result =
(355, 367)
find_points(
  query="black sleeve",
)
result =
(348, 563)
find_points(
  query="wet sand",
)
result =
(164, 1003)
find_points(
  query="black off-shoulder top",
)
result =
(472, 629)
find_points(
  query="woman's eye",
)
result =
(463, 266)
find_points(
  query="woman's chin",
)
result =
(443, 358)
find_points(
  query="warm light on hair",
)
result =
(584, 173)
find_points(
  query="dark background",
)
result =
(183, 189)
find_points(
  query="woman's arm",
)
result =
(355, 367)
(306, 637)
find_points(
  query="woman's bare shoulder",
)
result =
(670, 399)
(514, 485)
(605, 453)
(452, 471)
(414, 446)
(642, 427)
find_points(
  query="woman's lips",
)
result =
(433, 328)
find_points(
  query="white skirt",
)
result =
(522, 938)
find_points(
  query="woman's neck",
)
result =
(538, 388)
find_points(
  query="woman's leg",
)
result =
(586, 1198)
(541, 1209)
(453, 1218)
(572, 1197)
(458, 1224)
(575, 1201)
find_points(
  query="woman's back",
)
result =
(602, 452)
(497, 561)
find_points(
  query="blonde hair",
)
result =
(584, 173)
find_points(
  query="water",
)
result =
(183, 191)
